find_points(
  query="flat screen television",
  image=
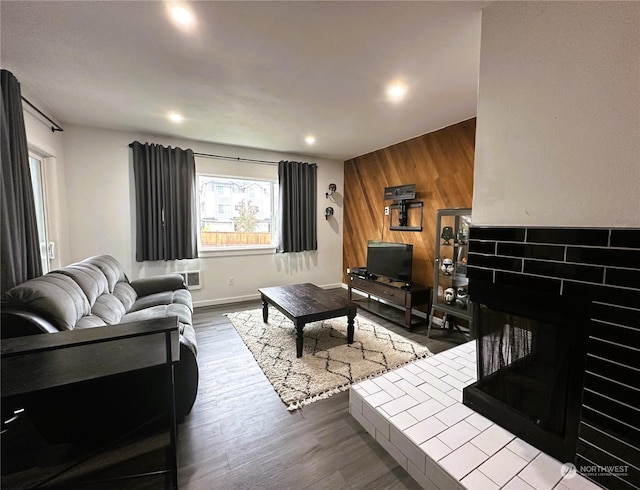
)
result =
(392, 260)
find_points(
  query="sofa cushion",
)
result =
(90, 321)
(90, 279)
(55, 296)
(187, 332)
(110, 267)
(126, 294)
(179, 296)
(109, 308)
(161, 311)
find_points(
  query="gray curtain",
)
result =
(19, 233)
(298, 184)
(165, 183)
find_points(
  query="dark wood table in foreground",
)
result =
(54, 360)
(306, 303)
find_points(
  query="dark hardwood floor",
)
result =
(239, 434)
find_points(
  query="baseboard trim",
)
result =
(249, 297)
(225, 301)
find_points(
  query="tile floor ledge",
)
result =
(416, 414)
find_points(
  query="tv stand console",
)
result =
(407, 297)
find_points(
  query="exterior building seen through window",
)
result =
(235, 212)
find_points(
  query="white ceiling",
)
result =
(254, 74)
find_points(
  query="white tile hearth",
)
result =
(416, 414)
(503, 466)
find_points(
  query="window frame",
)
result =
(238, 249)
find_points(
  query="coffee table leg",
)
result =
(350, 325)
(265, 309)
(299, 341)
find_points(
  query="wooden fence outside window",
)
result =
(232, 238)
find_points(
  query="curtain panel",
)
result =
(19, 240)
(298, 184)
(166, 219)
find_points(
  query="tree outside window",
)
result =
(246, 217)
(236, 212)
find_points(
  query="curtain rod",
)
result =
(54, 125)
(237, 159)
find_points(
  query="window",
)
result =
(236, 212)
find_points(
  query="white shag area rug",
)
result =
(328, 365)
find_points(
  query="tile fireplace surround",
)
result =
(416, 413)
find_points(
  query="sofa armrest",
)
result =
(18, 323)
(158, 284)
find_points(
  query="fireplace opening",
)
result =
(524, 364)
(531, 352)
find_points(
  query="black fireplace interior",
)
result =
(523, 374)
(530, 364)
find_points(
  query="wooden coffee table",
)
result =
(306, 303)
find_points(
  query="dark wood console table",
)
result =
(407, 298)
(39, 362)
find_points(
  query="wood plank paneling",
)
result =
(441, 166)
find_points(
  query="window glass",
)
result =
(37, 182)
(236, 212)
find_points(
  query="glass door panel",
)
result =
(37, 182)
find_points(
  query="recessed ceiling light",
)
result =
(182, 16)
(310, 139)
(175, 117)
(396, 91)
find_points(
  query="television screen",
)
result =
(392, 260)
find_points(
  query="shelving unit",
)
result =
(450, 283)
(405, 299)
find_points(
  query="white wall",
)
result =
(558, 127)
(101, 213)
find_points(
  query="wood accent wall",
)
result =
(441, 166)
